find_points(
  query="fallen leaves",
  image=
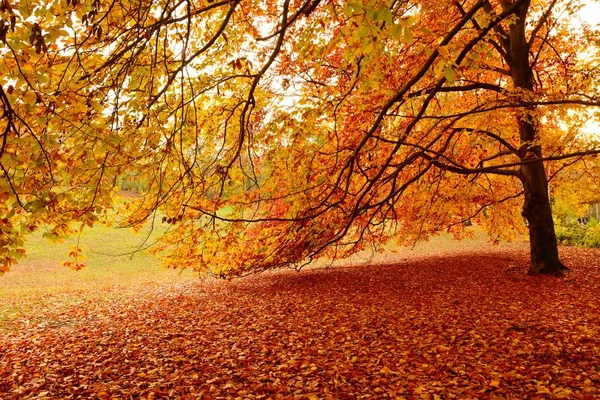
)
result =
(433, 328)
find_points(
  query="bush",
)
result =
(572, 233)
(592, 235)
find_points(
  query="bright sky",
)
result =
(590, 13)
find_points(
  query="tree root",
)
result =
(548, 267)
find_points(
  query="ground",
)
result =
(463, 323)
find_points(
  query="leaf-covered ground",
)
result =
(459, 326)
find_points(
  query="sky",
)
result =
(591, 14)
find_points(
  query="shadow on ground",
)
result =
(457, 326)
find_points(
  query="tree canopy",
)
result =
(272, 133)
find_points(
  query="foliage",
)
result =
(592, 235)
(576, 234)
(467, 327)
(270, 134)
(570, 234)
(573, 192)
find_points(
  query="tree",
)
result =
(272, 133)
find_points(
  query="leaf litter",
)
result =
(464, 326)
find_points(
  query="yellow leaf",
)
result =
(420, 390)
(369, 47)
(562, 393)
(449, 73)
(542, 390)
(386, 370)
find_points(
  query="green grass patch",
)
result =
(116, 265)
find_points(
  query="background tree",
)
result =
(272, 133)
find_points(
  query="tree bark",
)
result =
(537, 211)
(536, 207)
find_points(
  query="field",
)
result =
(114, 268)
(445, 320)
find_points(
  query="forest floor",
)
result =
(462, 322)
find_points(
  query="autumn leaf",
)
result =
(282, 134)
(434, 324)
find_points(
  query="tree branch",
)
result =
(543, 19)
(463, 88)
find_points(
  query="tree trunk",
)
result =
(536, 207)
(537, 211)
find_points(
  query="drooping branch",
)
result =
(250, 103)
(501, 169)
(509, 105)
(192, 57)
(119, 55)
(483, 207)
(459, 89)
(405, 89)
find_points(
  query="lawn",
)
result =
(115, 266)
(446, 320)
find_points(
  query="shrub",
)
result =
(572, 233)
(592, 235)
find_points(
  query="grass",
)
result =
(114, 267)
